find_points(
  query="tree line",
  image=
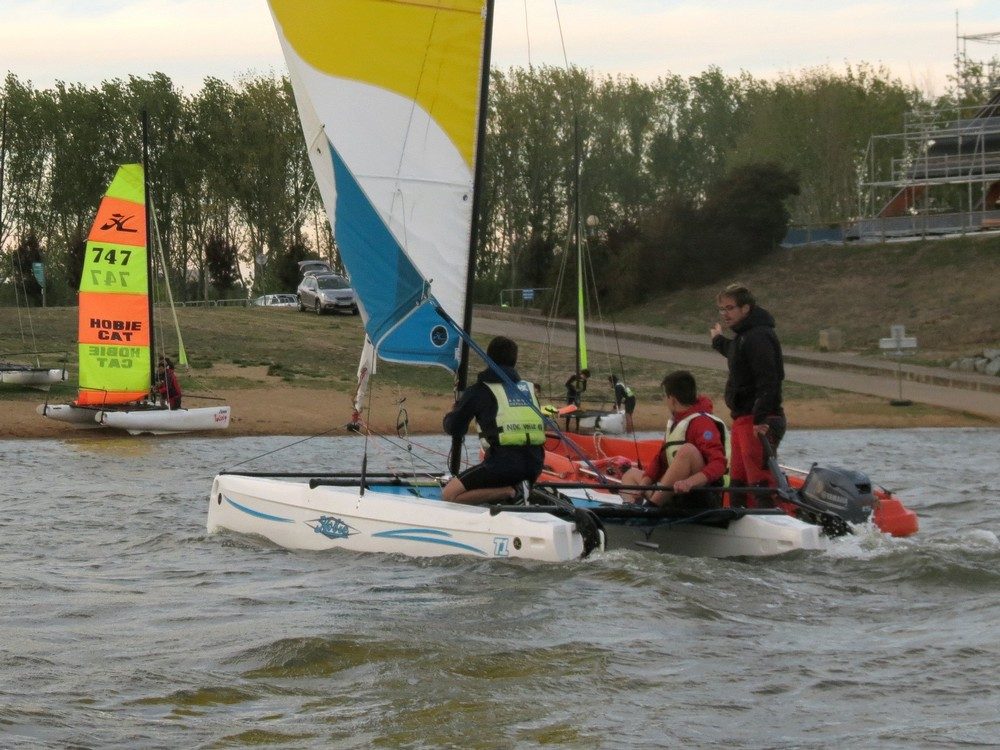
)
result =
(690, 177)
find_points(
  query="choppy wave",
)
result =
(125, 625)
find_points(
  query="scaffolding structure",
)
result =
(941, 175)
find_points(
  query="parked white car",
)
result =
(327, 292)
(276, 300)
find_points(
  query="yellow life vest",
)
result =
(518, 421)
(676, 434)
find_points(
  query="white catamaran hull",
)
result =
(80, 418)
(612, 423)
(293, 516)
(31, 376)
(166, 421)
(749, 536)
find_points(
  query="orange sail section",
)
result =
(114, 325)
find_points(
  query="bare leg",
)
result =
(455, 492)
(633, 477)
(686, 463)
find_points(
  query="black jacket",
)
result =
(478, 402)
(756, 368)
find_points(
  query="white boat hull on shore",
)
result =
(80, 417)
(165, 421)
(31, 376)
(295, 516)
(140, 421)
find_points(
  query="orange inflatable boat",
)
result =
(611, 456)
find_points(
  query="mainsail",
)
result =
(114, 324)
(390, 111)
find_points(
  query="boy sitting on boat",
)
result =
(511, 432)
(693, 453)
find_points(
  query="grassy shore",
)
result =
(287, 372)
(944, 291)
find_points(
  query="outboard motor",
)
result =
(842, 492)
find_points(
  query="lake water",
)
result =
(124, 625)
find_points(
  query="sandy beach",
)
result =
(274, 407)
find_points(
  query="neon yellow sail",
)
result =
(114, 324)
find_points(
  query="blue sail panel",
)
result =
(423, 337)
(400, 315)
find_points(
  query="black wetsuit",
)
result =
(505, 465)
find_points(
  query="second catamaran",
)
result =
(115, 330)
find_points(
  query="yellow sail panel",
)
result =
(112, 374)
(114, 325)
(428, 51)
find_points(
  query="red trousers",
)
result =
(747, 464)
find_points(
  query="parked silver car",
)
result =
(321, 293)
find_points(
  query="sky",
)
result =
(88, 41)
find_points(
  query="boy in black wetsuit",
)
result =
(511, 432)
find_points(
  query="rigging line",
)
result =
(369, 432)
(527, 33)
(305, 207)
(618, 345)
(550, 326)
(285, 447)
(416, 93)
(545, 352)
(181, 353)
(401, 448)
(562, 39)
(27, 305)
(15, 272)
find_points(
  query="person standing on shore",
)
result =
(576, 384)
(624, 397)
(753, 388)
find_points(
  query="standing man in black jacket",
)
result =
(753, 389)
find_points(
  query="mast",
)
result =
(149, 245)
(462, 375)
(3, 163)
(581, 342)
(3, 156)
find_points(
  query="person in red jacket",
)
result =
(693, 453)
(167, 387)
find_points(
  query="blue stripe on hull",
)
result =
(421, 535)
(257, 513)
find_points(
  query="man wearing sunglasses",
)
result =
(753, 389)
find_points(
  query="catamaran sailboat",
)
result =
(392, 102)
(116, 342)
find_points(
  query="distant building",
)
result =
(941, 175)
